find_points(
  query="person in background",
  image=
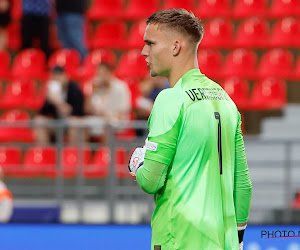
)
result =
(35, 23)
(109, 102)
(64, 100)
(6, 200)
(5, 18)
(70, 24)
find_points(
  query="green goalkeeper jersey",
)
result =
(194, 129)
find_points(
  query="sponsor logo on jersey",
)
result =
(152, 146)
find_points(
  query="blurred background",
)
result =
(75, 99)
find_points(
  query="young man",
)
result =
(194, 159)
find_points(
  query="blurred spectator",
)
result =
(64, 100)
(149, 89)
(5, 18)
(35, 23)
(109, 102)
(70, 24)
(6, 201)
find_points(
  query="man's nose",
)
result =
(144, 51)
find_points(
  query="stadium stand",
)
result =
(283, 8)
(136, 34)
(105, 9)
(140, 9)
(268, 94)
(30, 64)
(253, 33)
(242, 63)
(238, 89)
(276, 63)
(69, 59)
(5, 60)
(246, 8)
(218, 34)
(211, 62)
(16, 134)
(10, 159)
(110, 35)
(210, 9)
(286, 33)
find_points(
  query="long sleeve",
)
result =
(242, 181)
(151, 177)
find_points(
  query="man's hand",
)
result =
(136, 160)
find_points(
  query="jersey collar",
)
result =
(188, 75)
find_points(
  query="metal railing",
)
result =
(122, 195)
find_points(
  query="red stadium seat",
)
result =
(238, 90)
(92, 60)
(296, 74)
(10, 159)
(218, 34)
(136, 35)
(268, 94)
(286, 33)
(19, 93)
(210, 63)
(5, 65)
(30, 63)
(69, 59)
(71, 160)
(138, 9)
(14, 36)
(186, 4)
(250, 8)
(242, 63)
(132, 65)
(253, 33)
(11, 133)
(121, 163)
(276, 63)
(39, 161)
(212, 9)
(285, 8)
(110, 35)
(100, 164)
(103, 9)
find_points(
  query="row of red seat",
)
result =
(254, 32)
(203, 8)
(268, 94)
(32, 64)
(42, 161)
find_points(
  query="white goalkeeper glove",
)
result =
(136, 160)
(241, 230)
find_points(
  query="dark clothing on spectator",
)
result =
(70, 24)
(74, 97)
(36, 7)
(35, 24)
(5, 17)
(76, 6)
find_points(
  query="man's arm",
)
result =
(242, 185)
(242, 182)
(151, 177)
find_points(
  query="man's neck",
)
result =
(179, 70)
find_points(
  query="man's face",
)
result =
(60, 77)
(103, 77)
(158, 50)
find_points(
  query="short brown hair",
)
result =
(180, 20)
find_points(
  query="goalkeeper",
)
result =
(194, 160)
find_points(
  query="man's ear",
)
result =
(176, 48)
